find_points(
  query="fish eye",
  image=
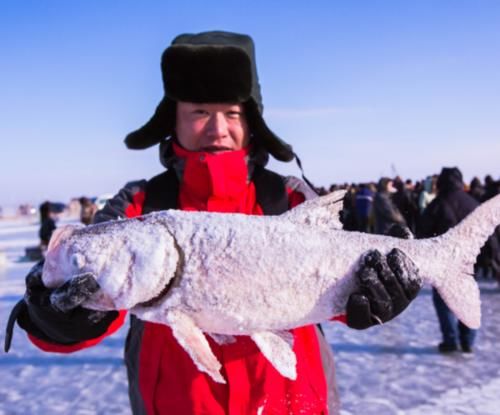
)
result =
(78, 261)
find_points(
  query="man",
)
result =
(451, 205)
(215, 144)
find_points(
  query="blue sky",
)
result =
(355, 86)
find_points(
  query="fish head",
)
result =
(60, 263)
(132, 260)
(71, 253)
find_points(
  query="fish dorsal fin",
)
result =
(194, 342)
(277, 347)
(321, 211)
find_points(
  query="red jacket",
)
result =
(163, 378)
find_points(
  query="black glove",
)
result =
(387, 285)
(55, 315)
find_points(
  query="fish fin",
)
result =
(222, 339)
(461, 246)
(321, 211)
(461, 293)
(194, 342)
(277, 347)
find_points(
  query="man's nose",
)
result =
(217, 125)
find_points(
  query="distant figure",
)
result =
(348, 215)
(385, 211)
(404, 201)
(451, 205)
(47, 224)
(428, 193)
(476, 189)
(87, 210)
(493, 245)
(364, 207)
(488, 261)
(491, 188)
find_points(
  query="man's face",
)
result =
(211, 127)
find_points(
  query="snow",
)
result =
(390, 369)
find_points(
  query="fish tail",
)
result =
(461, 246)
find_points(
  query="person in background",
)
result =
(491, 188)
(87, 210)
(215, 144)
(428, 193)
(488, 262)
(364, 204)
(451, 205)
(47, 224)
(348, 215)
(385, 212)
(405, 203)
(493, 245)
(476, 189)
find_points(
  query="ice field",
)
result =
(390, 369)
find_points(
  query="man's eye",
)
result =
(233, 114)
(199, 112)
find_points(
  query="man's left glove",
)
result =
(387, 286)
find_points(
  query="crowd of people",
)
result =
(373, 207)
(428, 208)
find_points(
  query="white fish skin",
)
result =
(233, 274)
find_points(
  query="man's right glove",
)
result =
(56, 315)
(388, 283)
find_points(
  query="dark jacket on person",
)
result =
(406, 204)
(47, 224)
(364, 202)
(491, 188)
(451, 205)
(476, 189)
(386, 213)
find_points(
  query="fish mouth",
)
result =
(173, 282)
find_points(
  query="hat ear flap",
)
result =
(265, 137)
(161, 125)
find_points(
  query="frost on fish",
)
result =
(232, 274)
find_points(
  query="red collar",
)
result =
(214, 182)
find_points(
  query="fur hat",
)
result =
(210, 67)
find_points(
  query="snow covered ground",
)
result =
(393, 369)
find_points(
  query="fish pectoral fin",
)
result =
(277, 347)
(194, 342)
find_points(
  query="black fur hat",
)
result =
(210, 67)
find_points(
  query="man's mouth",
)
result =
(215, 149)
